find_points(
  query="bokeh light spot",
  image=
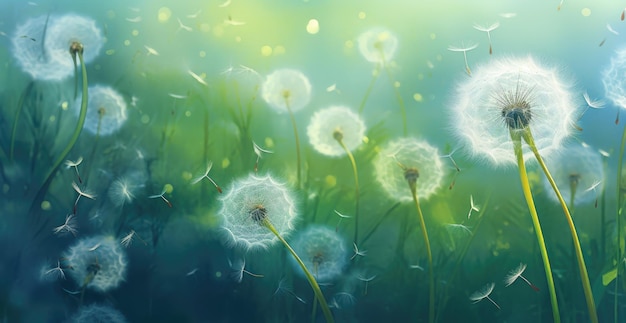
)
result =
(164, 14)
(168, 188)
(266, 50)
(362, 15)
(45, 205)
(145, 119)
(135, 32)
(313, 27)
(225, 163)
(586, 12)
(418, 97)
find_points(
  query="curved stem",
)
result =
(431, 269)
(593, 316)
(356, 183)
(316, 288)
(297, 138)
(517, 147)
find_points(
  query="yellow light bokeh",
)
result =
(164, 14)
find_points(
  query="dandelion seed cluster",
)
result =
(106, 110)
(614, 79)
(322, 250)
(543, 98)
(64, 30)
(99, 252)
(579, 166)
(409, 153)
(378, 45)
(286, 88)
(253, 199)
(328, 123)
(96, 313)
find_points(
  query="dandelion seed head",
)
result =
(378, 45)
(286, 87)
(614, 79)
(323, 252)
(334, 123)
(251, 200)
(98, 313)
(106, 110)
(66, 29)
(417, 156)
(511, 94)
(103, 251)
(123, 190)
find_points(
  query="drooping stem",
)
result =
(76, 49)
(316, 287)
(297, 138)
(370, 87)
(591, 307)
(431, 269)
(517, 147)
(339, 138)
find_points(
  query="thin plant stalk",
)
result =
(370, 87)
(75, 49)
(619, 221)
(593, 316)
(431, 275)
(396, 92)
(316, 287)
(297, 138)
(20, 106)
(356, 183)
(517, 147)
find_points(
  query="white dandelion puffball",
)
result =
(30, 53)
(99, 260)
(251, 200)
(614, 79)
(406, 153)
(378, 45)
(95, 313)
(334, 121)
(106, 110)
(579, 167)
(478, 118)
(323, 252)
(64, 30)
(286, 88)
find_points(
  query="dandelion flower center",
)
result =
(515, 108)
(258, 213)
(411, 174)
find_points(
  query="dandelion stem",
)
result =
(593, 316)
(396, 91)
(297, 138)
(517, 147)
(316, 287)
(370, 87)
(619, 219)
(20, 106)
(431, 277)
(356, 183)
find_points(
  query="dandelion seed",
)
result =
(53, 273)
(358, 252)
(225, 4)
(206, 175)
(239, 268)
(459, 226)
(604, 153)
(611, 30)
(508, 15)
(341, 217)
(195, 15)
(81, 193)
(258, 151)
(484, 293)
(162, 197)
(71, 292)
(192, 272)
(95, 247)
(464, 50)
(517, 273)
(595, 104)
(488, 30)
(182, 26)
(283, 289)
(197, 78)
(366, 280)
(122, 191)
(134, 20)
(245, 69)
(151, 51)
(418, 267)
(177, 96)
(128, 239)
(558, 8)
(473, 207)
(70, 226)
(69, 163)
(593, 188)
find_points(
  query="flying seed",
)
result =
(151, 51)
(206, 175)
(197, 78)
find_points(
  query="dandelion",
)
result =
(614, 82)
(488, 30)
(52, 274)
(378, 45)
(256, 212)
(357, 252)
(122, 191)
(575, 170)
(69, 226)
(66, 29)
(106, 110)
(515, 99)
(335, 131)
(258, 151)
(517, 273)
(323, 250)
(206, 175)
(98, 313)
(464, 50)
(402, 162)
(69, 164)
(97, 263)
(288, 90)
(484, 293)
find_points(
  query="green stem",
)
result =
(297, 138)
(356, 183)
(370, 87)
(619, 221)
(431, 269)
(20, 106)
(593, 316)
(316, 288)
(517, 147)
(399, 98)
